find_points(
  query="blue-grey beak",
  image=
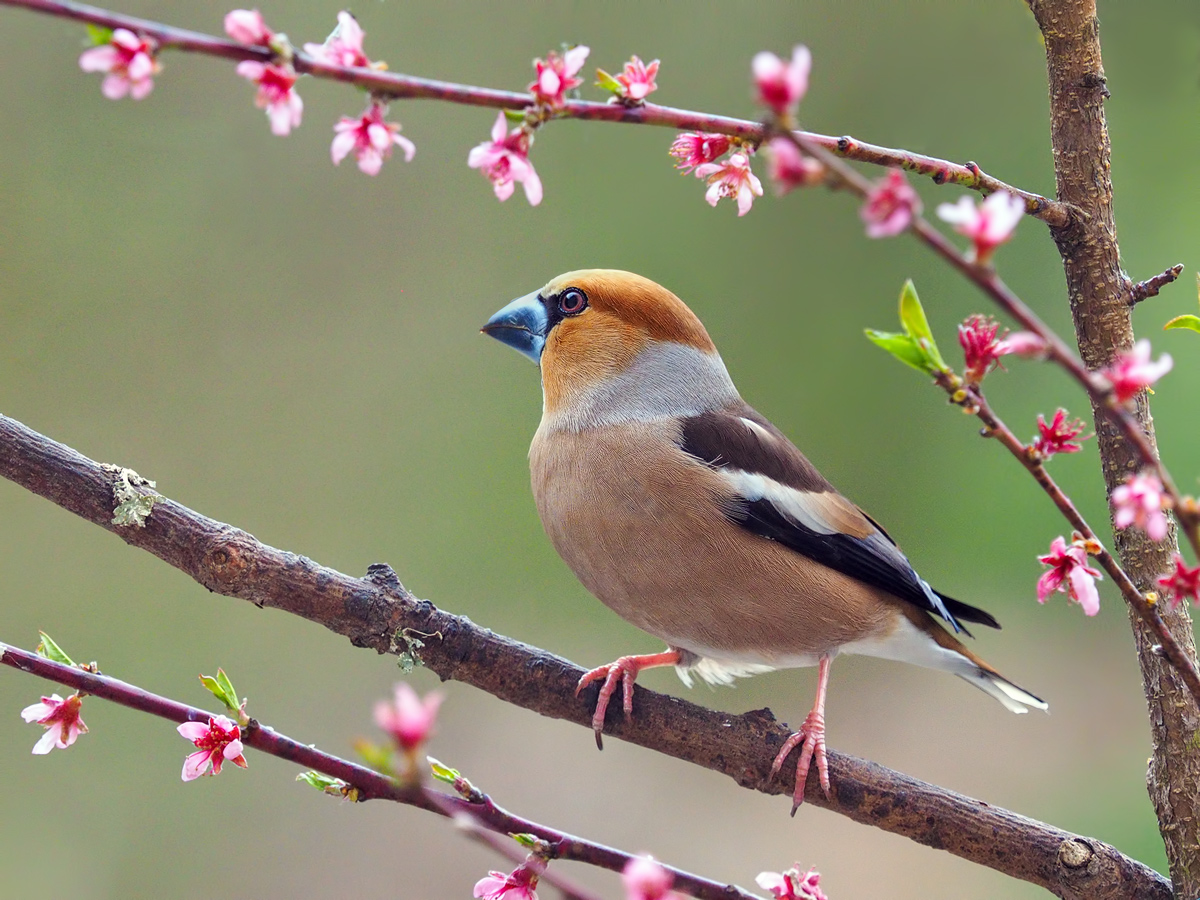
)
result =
(522, 325)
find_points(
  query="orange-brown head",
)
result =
(590, 327)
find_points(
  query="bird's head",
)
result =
(615, 338)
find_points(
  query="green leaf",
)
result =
(515, 116)
(222, 688)
(47, 649)
(608, 83)
(1190, 322)
(901, 346)
(377, 757)
(98, 35)
(912, 314)
(529, 841)
(443, 772)
(327, 785)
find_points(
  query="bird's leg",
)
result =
(623, 671)
(812, 735)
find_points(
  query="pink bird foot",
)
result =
(623, 671)
(812, 736)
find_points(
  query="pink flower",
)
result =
(344, 47)
(518, 884)
(128, 60)
(792, 884)
(638, 79)
(505, 160)
(1139, 501)
(219, 740)
(1070, 574)
(781, 85)
(988, 225)
(645, 879)
(1182, 584)
(408, 718)
(731, 178)
(1134, 371)
(62, 721)
(890, 205)
(979, 338)
(248, 27)
(788, 168)
(1059, 436)
(371, 139)
(275, 94)
(556, 75)
(695, 148)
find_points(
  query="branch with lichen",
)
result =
(359, 783)
(379, 613)
(395, 86)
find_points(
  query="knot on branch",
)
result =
(1074, 854)
(228, 563)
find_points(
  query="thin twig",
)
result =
(1151, 286)
(399, 86)
(371, 785)
(377, 612)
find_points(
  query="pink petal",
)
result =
(766, 65)
(350, 31)
(1156, 526)
(317, 52)
(1048, 584)
(123, 37)
(140, 67)
(771, 881)
(549, 82)
(39, 710)
(115, 86)
(342, 145)
(280, 116)
(370, 161)
(379, 136)
(504, 189)
(47, 741)
(232, 749)
(141, 89)
(406, 145)
(713, 194)
(963, 212)
(499, 129)
(533, 187)
(98, 59)
(193, 731)
(574, 59)
(195, 765)
(251, 70)
(1083, 587)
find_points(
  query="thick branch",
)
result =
(377, 612)
(1101, 310)
(399, 86)
(368, 784)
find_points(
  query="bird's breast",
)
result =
(643, 526)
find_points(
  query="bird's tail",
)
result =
(1015, 699)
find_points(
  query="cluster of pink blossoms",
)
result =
(504, 161)
(891, 205)
(638, 80)
(128, 61)
(219, 741)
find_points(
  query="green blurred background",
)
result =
(294, 349)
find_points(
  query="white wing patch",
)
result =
(789, 501)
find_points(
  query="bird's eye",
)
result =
(572, 302)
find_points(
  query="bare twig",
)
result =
(376, 611)
(1151, 286)
(370, 785)
(398, 86)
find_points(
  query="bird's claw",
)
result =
(624, 672)
(812, 736)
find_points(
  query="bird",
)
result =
(691, 516)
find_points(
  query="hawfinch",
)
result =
(693, 517)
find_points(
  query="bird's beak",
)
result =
(522, 325)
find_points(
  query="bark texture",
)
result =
(1101, 305)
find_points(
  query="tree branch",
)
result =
(1151, 286)
(369, 784)
(1103, 327)
(377, 612)
(398, 86)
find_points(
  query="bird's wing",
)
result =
(779, 495)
